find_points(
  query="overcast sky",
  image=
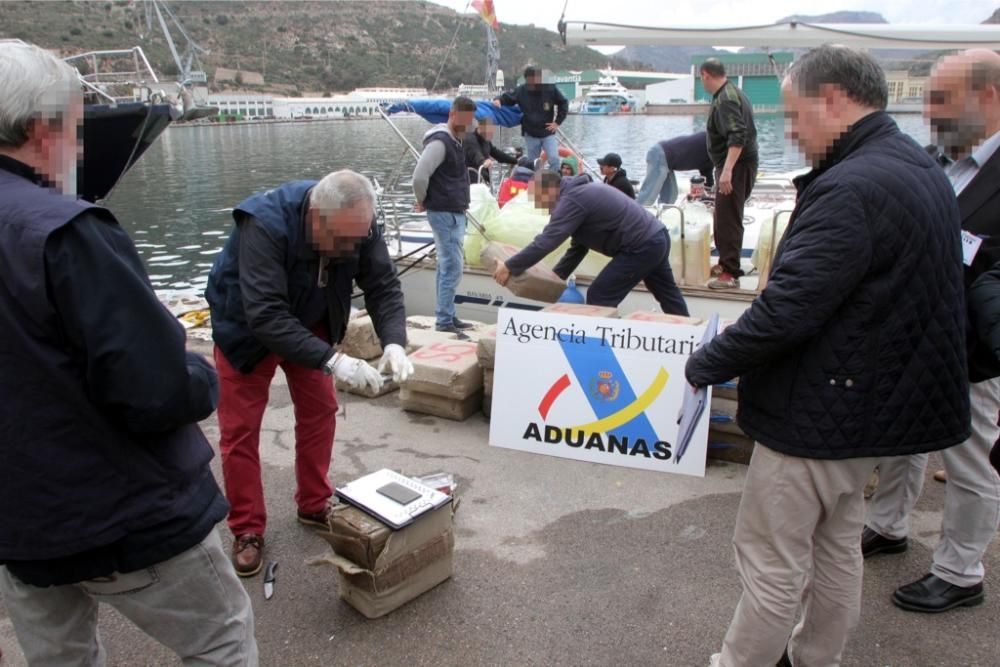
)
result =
(546, 13)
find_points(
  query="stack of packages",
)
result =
(727, 441)
(361, 342)
(486, 354)
(538, 282)
(381, 569)
(446, 381)
(581, 309)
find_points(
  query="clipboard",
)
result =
(694, 401)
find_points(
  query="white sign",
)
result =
(970, 246)
(595, 389)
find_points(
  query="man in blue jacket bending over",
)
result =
(596, 217)
(280, 293)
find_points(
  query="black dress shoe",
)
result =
(459, 334)
(459, 324)
(872, 543)
(933, 595)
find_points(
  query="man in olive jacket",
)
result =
(854, 350)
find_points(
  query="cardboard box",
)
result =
(538, 282)
(447, 369)
(381, 569)
(650, 316)
(728, 390)
(360, 339)
(438, 406)
(581, 309)
(486, 349)
(487, 381)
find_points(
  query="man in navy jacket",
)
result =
(106, 494)
(280, 295)
(596, 217)
(544, 109)
(854, 350)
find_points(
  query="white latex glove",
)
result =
(395, 358)
(357, 373)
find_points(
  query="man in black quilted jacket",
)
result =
(855, 350)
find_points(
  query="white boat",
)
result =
(479, 297)
(608, 96)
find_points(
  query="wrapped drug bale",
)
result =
(726, 390)
(723, 416)
(771, 232)
(381, 569)
(483, 207)
(456, 409)
(448, 369)
(690, 260)
(650, 316)
(538, 282)
(418, 338)
(723, 446)
(581, 309)
(486, 348)
(360, 340)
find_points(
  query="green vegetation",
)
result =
(308, 46)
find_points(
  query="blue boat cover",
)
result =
(436, 111)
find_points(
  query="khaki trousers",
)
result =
(798, 546)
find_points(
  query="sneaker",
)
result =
(317, 519)
(247, 554)
(716, 271)
(459, 324)
(452, 329)
(724, 281)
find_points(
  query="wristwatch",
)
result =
(328, 365)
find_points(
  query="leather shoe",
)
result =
(317, 519)
(872, 543)
(247, 554)
(452, 329)
(463, 326)
(933, 594)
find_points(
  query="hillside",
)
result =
(304, 46)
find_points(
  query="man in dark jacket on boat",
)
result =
(105, 485)
(854, 350)
(544, 109)
(595, 217)
(480, 152)
(963, 107)
(611, 168)
(732, 144)
(280, 295)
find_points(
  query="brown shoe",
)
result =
(941, 476)
(247, 554)
(318, 519)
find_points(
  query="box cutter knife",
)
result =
(272, 567)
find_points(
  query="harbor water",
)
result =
(177, 201)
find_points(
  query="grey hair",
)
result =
(855, 72)
(342, 189)
(35, 84)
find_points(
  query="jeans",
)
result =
(660, 179)
(533, 149)
(449, 239)
(192, 603)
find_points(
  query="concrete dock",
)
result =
(557, 563)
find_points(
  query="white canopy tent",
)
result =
(788, 35)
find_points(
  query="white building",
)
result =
(678, 91)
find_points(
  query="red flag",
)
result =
(486, 10)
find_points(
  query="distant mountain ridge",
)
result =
(306, 46)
